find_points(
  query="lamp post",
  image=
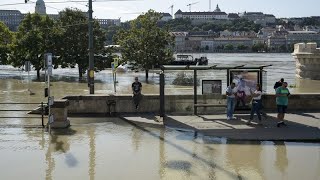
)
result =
(91, 56)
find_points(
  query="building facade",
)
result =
(104, 23)
(180, 40)
(221, 42)
(165, 17)
(11, 18)
(294, 37)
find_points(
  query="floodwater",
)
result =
(110, 148)
(105, 148)
(66, 81)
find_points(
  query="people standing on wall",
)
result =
(136, 90)
(282, 94)
(278, 84)
(231, 92)
(256, 104)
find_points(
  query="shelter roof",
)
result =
(212, 67)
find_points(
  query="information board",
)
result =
(211, 86)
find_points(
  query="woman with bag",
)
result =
(256, 104)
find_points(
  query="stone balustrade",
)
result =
(307, 57)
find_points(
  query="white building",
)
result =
(216, 14)
(165, 17)
(294, 37)
(180, 40)
(104, 23)
(259, 18)
(235, 42)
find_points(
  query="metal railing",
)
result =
(42, 111)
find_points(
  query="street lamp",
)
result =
(91, 55)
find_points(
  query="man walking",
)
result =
(136, 89)
(230, 92)
(282, 94)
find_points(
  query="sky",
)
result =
(130, 9)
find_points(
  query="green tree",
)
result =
(6, 38)
(32, 41)
(228, 47)
(73, 46)
(177, 24)
(146, 43)
(259, 47)
(242, 47)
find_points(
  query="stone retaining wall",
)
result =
(104, 105)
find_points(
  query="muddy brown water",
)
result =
(105, 148)
(109, 148)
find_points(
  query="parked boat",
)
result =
(183, 59)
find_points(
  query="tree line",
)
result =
(142, 41)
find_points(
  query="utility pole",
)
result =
(209, 5)
(91, 60)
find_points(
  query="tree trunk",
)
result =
(147, 74)
(80, 72)
(38, 74)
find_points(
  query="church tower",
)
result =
(40, 7)
(217, 9)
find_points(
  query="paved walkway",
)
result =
(300, 126)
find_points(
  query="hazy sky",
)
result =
(131, 8)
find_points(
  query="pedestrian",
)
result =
(231, 92)
(136, 90)
(278, 84)
(256, 104)
(282, 94)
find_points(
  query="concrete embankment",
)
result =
(303, 126)
(182, 104)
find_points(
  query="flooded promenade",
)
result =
(106, 148)
(111, 148)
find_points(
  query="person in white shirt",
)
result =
(256, 103)
(230, 92)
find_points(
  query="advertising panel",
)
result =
(244, 80)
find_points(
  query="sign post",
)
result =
(114, 66)
(48, 63)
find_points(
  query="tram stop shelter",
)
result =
(231, 71)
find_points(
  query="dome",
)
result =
(40, 7)
(40, 2)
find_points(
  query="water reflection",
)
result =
(281, 161)
(98, 148)
(245, 159)
(92, 153)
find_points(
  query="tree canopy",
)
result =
(32, 41)
(146, 43)
(6, 38)
(73, 46)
